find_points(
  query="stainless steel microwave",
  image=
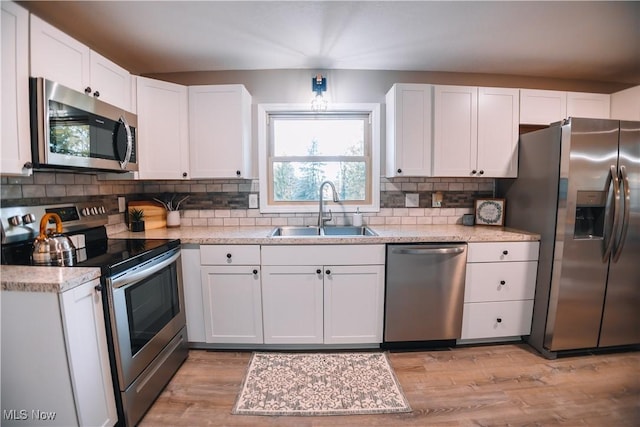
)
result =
(70, 130)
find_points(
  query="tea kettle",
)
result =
(53, 248)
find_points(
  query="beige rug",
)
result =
(320, 384)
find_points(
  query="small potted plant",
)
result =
(136, 219)
(173, 214)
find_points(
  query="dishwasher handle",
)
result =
(427, 251)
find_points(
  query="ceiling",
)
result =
(589, 41)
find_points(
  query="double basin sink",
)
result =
(302, 231)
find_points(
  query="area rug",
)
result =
(320, 384)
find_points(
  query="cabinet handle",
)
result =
(499, 320)
(328, 272)
(238, 173)
(481, 172)
(184, 174)
(399, 170)
(318, 271)
(255, 271)
(96, 94)
(87, 90)
(502, 282)
(228, 256)
(473, 172)
(98, 288)
(505, 252)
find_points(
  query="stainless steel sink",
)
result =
(300, 231)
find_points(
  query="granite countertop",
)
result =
(386, 234)
(60, 279)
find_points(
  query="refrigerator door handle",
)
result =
(626, 197)
(607, 241)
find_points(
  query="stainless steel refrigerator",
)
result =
(578, 186)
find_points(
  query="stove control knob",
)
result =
(28, 218)
(103, 210)
(94, 211)
(15, 220)
(85, 211)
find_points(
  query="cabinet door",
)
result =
(542, 107)
(16, 145)
(588, 105)
(220, 131)
(163, 145)
(232, 304)
(110, 82)
(625, 105)
(353, 304)
(498, 115)
(483, 320)
(58, 57)
(455, 130)
(409, 130)
(292, 305)
(88, 355)
(191, 281)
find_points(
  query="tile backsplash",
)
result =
(225, 202)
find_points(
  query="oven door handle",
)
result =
(144, 270)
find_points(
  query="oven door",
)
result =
(146, 306)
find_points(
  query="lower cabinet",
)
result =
(499, 289)
(338, 300)
(55, 361)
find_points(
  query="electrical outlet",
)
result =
(253, 201)
(412, 200)
(121, 205)
(436, 199)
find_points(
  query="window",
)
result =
(299, 150)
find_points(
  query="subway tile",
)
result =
(227, 222)
(91, 190)
(238, 213)
(223, 213)
(416, 212)
(65, 178)
(263, 221)
(206, 213)
(247, 221)
(55, 190)
(75, 190)
(229, 188)
(32, 191)
(424, 220)
(409, 186)
(408, 220)
(11, 191)
(215, 222)
(278, 221)
(439, 220)
(214, 188)
(44, 177)
(392, 220)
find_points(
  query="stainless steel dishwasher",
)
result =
(424, 292)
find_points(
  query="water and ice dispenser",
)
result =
(590, 214)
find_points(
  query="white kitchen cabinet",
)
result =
(337, 300)
(16, 144)
(231, 294)
(59, 57)
(542, 107)
(499, 290)
(409, 134)
(625, 105)
(163, 130)
(588, 105)
(192, 284)
(475, 132)
(55, 358)
(220, 131)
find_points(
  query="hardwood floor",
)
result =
(506, 384)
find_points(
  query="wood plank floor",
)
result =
(494, 385)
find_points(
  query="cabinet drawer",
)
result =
(229, 254)
(496, 281)
(496, 319)
(323, 255)
(502, 251)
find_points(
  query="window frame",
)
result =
(264, 134)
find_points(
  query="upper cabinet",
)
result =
(58, 57)
(163, 130)
(16, 145)
(542, 107)
(409, 130)
(220, 131)
(475, 131)
(625, 105)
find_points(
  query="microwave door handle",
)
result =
(130, 279)
(607, 241)
(127, 156)
(626, 197)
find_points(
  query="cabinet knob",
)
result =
(87, 90)
(505, 252)
(98, 288)
(499, 320)
(473, 172)
(184, 174)
(318, 271)
(399, 170)
(28, 165)
(228, 256)
(328, 272)
(481, 172)
(238, 173)
(255, 271)
(96, 94)
(502, 282)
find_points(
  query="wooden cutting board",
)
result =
(155, 215)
